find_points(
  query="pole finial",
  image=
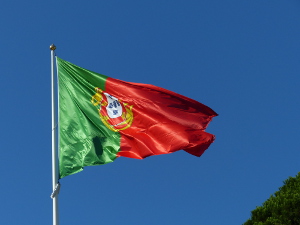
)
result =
(52, 47)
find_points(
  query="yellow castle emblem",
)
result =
(115, 114)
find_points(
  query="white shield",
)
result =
(114, 108)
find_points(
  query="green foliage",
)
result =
(282, 208)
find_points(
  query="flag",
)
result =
(101, 119)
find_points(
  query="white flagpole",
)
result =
(55, 184)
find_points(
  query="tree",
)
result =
(282, 208)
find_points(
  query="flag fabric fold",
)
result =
(101, 118)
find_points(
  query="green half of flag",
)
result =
(83, 139)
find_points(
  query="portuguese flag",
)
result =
(101, 119)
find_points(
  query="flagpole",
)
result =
(55, 184)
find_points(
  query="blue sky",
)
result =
(241, 58)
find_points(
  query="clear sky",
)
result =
(241, 58)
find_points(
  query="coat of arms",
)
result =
(115, 114)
